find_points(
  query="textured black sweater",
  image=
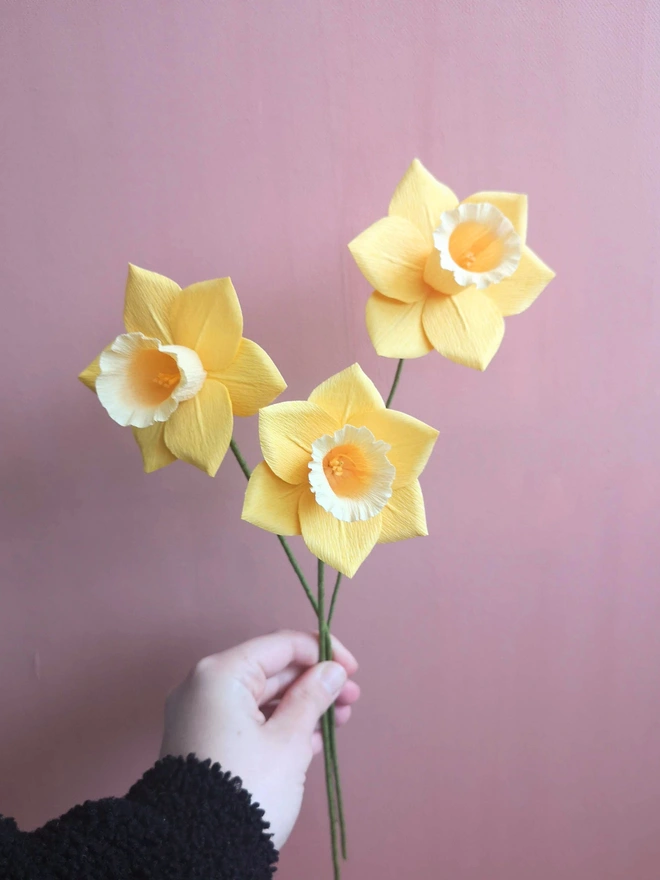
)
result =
(184, 820)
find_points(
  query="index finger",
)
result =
(274, 652)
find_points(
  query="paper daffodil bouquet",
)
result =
(342, 468)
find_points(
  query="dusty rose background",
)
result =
(510, 726)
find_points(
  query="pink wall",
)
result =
(510, 725)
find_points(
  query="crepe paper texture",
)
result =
(447, 274)
(341, 470)
(182, 370)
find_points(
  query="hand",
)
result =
(255, 710)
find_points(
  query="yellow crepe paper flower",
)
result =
(182, 370)
(341, 470)
(446, 274)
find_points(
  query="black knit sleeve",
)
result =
(184, 820)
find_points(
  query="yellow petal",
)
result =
(391, 255)
(151, 441)
(252, 379)
(412, 441)
(396, 328)
(90, 374)
(207, 318)
(404, 516)
(200, 429)
(272, 504)
(517, 293)
(347, 393)
(342, 545)
(286, 433)
(512, 205)
(466, 328)
(149, 299)
(421, 198)
(440, 279)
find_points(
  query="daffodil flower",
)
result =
(446, 274)
(341, 470)
(182, 370)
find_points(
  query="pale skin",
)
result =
(255, 709)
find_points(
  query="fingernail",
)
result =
(333, 676)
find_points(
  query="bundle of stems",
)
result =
(324, 621)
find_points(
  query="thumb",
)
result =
(309, 697)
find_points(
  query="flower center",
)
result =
(350, 473)
(478, 244)
(475, 246)
(155, 375)
(346, 469)
(168, 380)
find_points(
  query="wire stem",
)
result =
(325, 653)
(283, 541)
(397, 376)
(333, 731)
(301, 577)
(335, 593)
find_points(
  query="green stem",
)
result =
(324, 645)
(301, 577)
(333, 730)
(283, 541)
(335, 593)
(397, 376)
(239, 458)
(325, 730)
(334, 757)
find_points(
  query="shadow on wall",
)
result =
(73, 538)
(55, 461)
(59, 750)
